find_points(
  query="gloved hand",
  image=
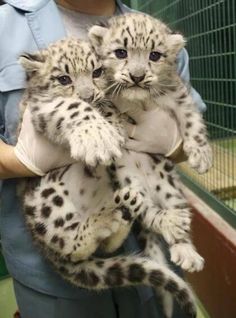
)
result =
(36, 152)
(157, 132)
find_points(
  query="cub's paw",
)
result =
(199, 157)
(174, 224)
(185, 255)
(129, 200)
(106, 224)
(95, 145)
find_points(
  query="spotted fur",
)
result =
(74, 210)
(139, 54)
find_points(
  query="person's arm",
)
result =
(10, 166)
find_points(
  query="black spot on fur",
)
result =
(61, 243)
(72, 226)
(189, 124)
(73, 106)
(46, 211)
(69, 216)
(127, 180)
(59, 122)
(74, 115)
(171, 180)
(88, 279)
(161, 175)
(88, 109)
(168, 195)
(47, 192)
(54, 239)
(182, 296)
(168, 166)
(40, 228)
(126, 197)
(156, 278)
(59, 222)
(126, 215)
(114, 275)
(136, 273)
(67, 68)
(29, 210)
(117, 199)
(172, 286)
(158, 188)
(58, 200)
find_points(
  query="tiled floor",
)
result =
(8, 304)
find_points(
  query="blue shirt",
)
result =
(27, 26)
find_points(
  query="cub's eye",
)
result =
(121, 54)
(155, 56)
(97, 72)
(64, 80)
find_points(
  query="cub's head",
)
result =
(138, 52)
(68, 68)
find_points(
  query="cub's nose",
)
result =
(89, 99)
(136, 79)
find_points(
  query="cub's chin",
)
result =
(134, 93)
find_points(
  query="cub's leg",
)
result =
(130, 203)
(173, 218)
(193, 131)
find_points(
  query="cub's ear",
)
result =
(32, 62)
(96, 34)
(176, 42)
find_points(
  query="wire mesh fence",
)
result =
(210, 29)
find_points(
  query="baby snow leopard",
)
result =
(139, 55)
(73, 210)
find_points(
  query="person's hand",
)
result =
(157, 132)
(36, 153)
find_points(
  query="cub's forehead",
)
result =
(137, 30)
(77, 54)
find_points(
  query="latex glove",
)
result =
(157, 132)
(36, 152)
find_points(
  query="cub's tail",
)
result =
(119, 271)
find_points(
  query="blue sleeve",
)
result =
(2, 123)
(183, 70)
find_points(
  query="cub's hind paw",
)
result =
(130, 199)
(185, 255)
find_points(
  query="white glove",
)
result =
(157, 132)
(36, 152)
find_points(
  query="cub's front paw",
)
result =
(199, 156)
(96, 145)
(185, 255)
(174, 225)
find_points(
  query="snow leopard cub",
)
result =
(139, 54)
(73, 210)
